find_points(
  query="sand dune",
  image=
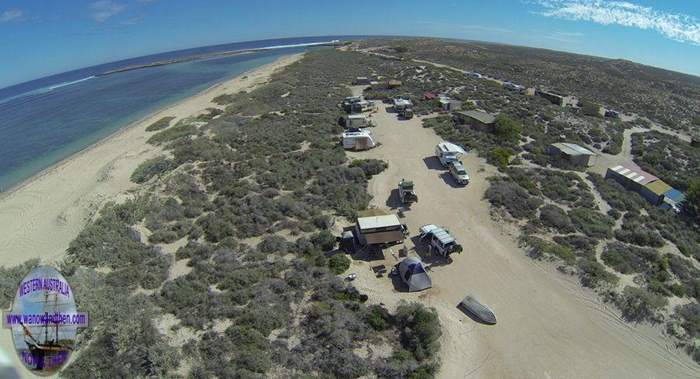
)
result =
(548, 325)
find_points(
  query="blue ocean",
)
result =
(49, 119)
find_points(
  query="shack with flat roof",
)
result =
(571, 153)
(477, 119)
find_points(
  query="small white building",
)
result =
(361, 140)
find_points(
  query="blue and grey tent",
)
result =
(413, 273)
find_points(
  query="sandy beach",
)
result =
(548, 325)
(40, 217)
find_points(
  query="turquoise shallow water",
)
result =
(41, 126)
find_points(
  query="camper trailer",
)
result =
(381, 230)
(447, 152)
(358, 140)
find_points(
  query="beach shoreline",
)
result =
(106, 139)
(40, 215)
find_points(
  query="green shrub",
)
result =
(420, 330)
(338, 263)
(556, 218)
(593, 274)
(638, 304)
(592, 223)
(540, 248)
(507, 194)
(499, 157)
(370, 167)
(378, 318)
(160, 124)
(182, 129)
(507, 129)
(155, 167)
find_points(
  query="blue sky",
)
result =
(38, 38)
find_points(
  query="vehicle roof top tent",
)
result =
(440, 233)
(414, 275)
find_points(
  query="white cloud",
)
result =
(101, 10)
(10, 15)
(678, 27)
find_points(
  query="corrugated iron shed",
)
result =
(634, 174)
(482, 117)
(572, 149)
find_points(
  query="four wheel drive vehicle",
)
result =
(406, 193)
(458, 172)
(406, 113)
(447, 152)
(439, 240)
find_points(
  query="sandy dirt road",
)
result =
(548, 326)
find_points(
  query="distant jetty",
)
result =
(219, 54)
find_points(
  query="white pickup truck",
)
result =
(458, 172)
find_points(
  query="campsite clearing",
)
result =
(548, 326)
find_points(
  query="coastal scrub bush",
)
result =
(615, 195)
(634, 230)
(420, 330)
(591, 223)
(378, 317)
(629, 259)
(155, 167)
(638, 305)
(582, 246)
(506, 129)
(556, 218)
(499, 157)
(338, 263)
(160, 124)
(370, 167)
(540, 248)
(593, 274)
(183, 128)
(512, 197)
